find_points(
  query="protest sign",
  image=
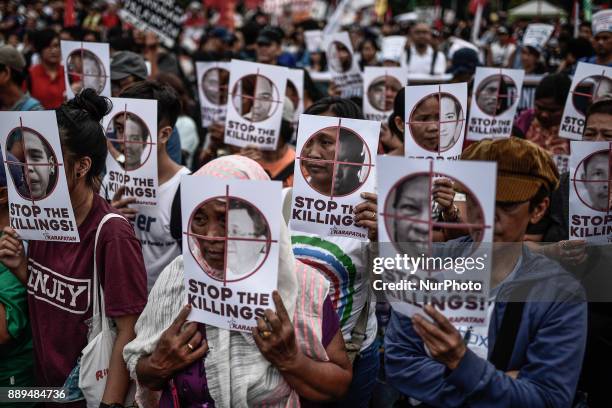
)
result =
(213, 78)
(496, 97)
(131, 132)
(537, 35)
(336, 162)
(86, 65)
(590, 83)
(590, 205)
(343, 64)
(435, 120)
(408, 218)
(230, 249)
(254, 114)
(39, 201)
(393, 48)
(380, 85)
(295, 93)
(164, 18)
(314, 40)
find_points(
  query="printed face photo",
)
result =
(37, 163)
(589, 91)
(85, 70)
(496, 94)
(339, 57)
(410, 213)
(381, 92)
(436, 122)
(214, 85)
(230, 241)
(335, 161)
(255, 98)
(593, 187)
(129, 140)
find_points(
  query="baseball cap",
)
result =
(125, 63)
(268, 35)
(522, 167)
(465, 60)
(502, 30)
(12, 58)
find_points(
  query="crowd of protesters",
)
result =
(556, 355)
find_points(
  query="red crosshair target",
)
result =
(256, 97)
(128, 134)
(496, 94)
(436, 122)
(335, 161)
(408, 214)
(215, 84)
(229, 238)
(592, 180)
(590, 90)
(40, 166)
(381, 92)
(85, 69)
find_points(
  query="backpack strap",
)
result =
(433, 61)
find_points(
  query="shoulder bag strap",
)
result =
(98, 293)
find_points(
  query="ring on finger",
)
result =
(189, 346)
(265, 333)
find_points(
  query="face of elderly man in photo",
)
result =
(411, 209)
(321, 149)
(350, 150)
(244, 255)
(214, 85)
(597, 174)
(487, 97)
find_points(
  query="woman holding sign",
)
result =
(284, 357)
(59, 275)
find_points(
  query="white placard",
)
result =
(537, 35)
(393, 48)
(39, 201)
(255, 105)
(335, 164)
(213, 79)
(591, 83)
(380, 85)
(295, 93)
(230, 249)
(496, 96)
(314, 40)
(590, 205)
(435, 120)
(343, 64)
(406, 222)
(86, 65)
(131, 132)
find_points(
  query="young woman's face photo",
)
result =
(598, 173)
(321, 146)
(38, 159)
(424, 123)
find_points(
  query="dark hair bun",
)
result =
(95, 105)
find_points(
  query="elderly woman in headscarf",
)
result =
(296, 355)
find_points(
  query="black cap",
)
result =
(125, 63)
(269, 35)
